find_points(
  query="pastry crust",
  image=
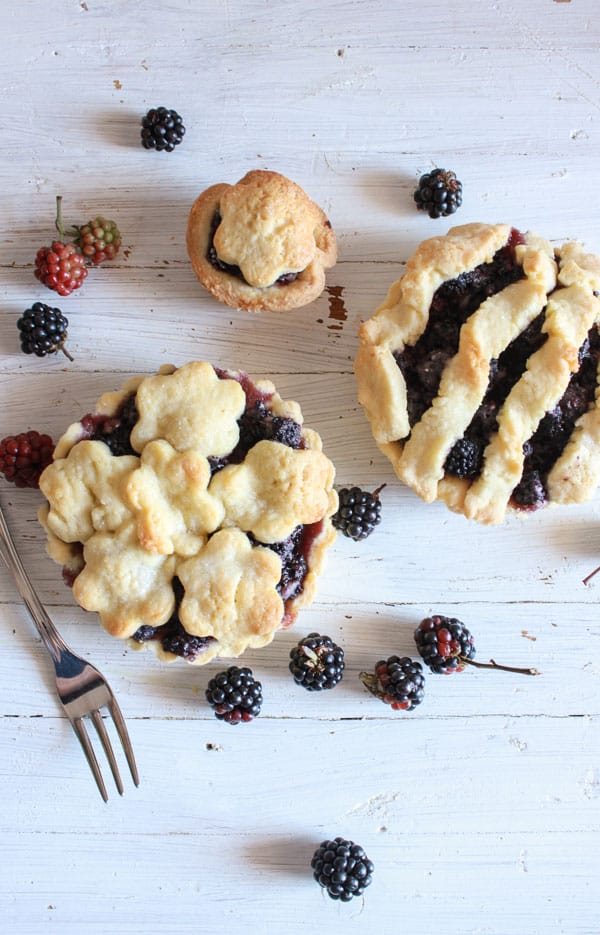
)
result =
(269, 228)
(125, 526)
(563, 286)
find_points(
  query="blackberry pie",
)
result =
(479, 372)
(191, 511)
(261, 244)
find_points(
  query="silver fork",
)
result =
(82, 690)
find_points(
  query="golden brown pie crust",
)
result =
(269, 227)
(564, 283)
(126, 525)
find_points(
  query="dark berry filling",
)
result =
(258, 423)
(465, 458)
(172, 635)
(214, 259)
(422, 364)
(114, 431)
(548, 442)
(294, 553)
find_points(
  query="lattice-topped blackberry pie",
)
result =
(261, 244)
(192, 511)
(479, 372)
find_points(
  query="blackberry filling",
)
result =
(548, 442)
(172, 635)
(257, 423)
(114, 431)
(293, 552)
(465, 458)
(455, 301)
(213, 258)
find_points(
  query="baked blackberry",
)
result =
(342, 868)
(43, 330)
(465, 458)
(444, 644)
(23, 457)
(235, 695)
(359, 512)
(397, 681)
(162, 129)
(439, 193)
(317, 663)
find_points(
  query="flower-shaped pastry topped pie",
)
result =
(191, 511)
(260, 244)
(479, 372)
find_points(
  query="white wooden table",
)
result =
(481, 808)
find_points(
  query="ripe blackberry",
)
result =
(396, 681)
(181, 643)
(317, 663)
(359, 512)
(444, 643)
(43, 330)
(99, 240)
(235, 695)
(439, 193)
(60, 267)
(162, 129)
(342, 868)
(23, 457)
(465, 458)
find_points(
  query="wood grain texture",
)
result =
(480, 808)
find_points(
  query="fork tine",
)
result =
(105, 740)
(119, 720)
(84, 740)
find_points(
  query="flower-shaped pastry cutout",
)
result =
(267, 227)
(230, 592)
(85, 491)
(127, 585)
(168, 495)
(190, 408)
(275, 489)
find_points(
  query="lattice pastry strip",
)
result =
(570, 314)
(464, 381)
(480, 377)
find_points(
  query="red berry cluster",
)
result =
(23, 457)
(62, 266)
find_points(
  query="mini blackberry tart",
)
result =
(191, 511)
(479, 372)
(261, 244)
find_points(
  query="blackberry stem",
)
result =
(66, 353)
(494, 665)
(589, 577)
(59, 221)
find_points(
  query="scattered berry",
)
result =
(43, 330)
(317, 663)
(162, 129)
(23, 457)
(359, 512)
(60, 267)
(397, 681)
(444, 643)
(439, 193)
(99, 240)
(235, 695)
(342, 868)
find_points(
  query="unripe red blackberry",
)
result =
(23, 457)
(99, 240)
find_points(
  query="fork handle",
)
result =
(48, 632)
